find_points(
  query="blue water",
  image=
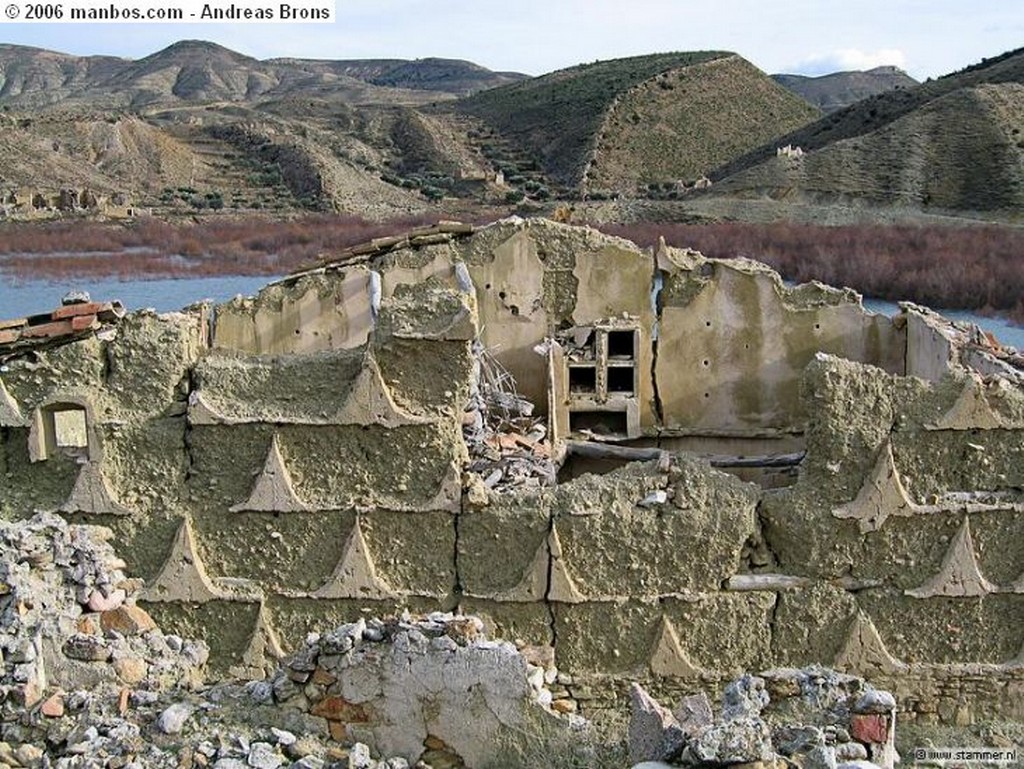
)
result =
(27, 297)
(1006, 332)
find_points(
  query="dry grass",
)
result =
(151, 248)
(973, 268)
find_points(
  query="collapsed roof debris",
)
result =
(77, 317)
(507, 443)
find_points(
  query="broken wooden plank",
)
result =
(761, 460)
(591, 450)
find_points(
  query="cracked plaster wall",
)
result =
(265, 491)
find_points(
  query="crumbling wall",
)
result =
(905, 532)
(266, 483)
(316, 313)
(734, 341)
(533, 278)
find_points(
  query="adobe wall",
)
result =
(280, 464)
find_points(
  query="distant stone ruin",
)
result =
(660, 468)
(32, 203)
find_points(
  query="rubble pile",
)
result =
(508, 446)
(88, 680)
(433, 689)
(67, 604)
(812, 718)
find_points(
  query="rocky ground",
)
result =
(89, 680)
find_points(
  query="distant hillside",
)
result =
(841, 89)
(449, 76)
(50, 76)
(955, 143)
(197, 129)
(555, 118)
(681, 124)
(963, 151)
(195, 71)
(880, 110)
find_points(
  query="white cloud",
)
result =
(847, 59)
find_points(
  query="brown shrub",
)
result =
(944, 267)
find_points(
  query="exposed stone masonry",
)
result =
(284, 464)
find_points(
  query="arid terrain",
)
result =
(197, 129)
(463, 490)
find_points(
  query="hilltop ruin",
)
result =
(699, 470)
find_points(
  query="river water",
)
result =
(26, 297)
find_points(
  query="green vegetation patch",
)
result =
(555, 116)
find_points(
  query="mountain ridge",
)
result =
(836, 90)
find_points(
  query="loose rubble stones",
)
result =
(818, 718)
(109, 689)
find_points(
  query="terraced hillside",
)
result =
(682, 123)
(554, 119)
(876, 112)
(186, 161)
(963, 151)
(841, 89)
(197, 128)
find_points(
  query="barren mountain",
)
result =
(841, 89)
(613, 124)
(37, 76)
(197, 127)
(953, 144)
(199, 71)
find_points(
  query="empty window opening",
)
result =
(621, 344)
(599, 423)
(582, 379)
(70, 430)
(620, 379)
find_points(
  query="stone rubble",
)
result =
(425, 693)
(508, 446)
(812, 719)
(404, 683)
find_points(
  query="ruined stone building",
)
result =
(719, 473)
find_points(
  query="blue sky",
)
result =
(925, 37)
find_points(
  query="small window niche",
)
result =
(61, 429)
(70, 429)
(621, 380)
(583, 379)
(622, 345)
(599, 424)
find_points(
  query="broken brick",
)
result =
(340, 709)
(84, 322)
(53, 706)
(870, 729)
(13, 323)
(47, 330)
(84, 308)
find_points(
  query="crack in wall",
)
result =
(548, 603)
(457, 589)
(657, 285)
(108, 363)
(190, 387)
